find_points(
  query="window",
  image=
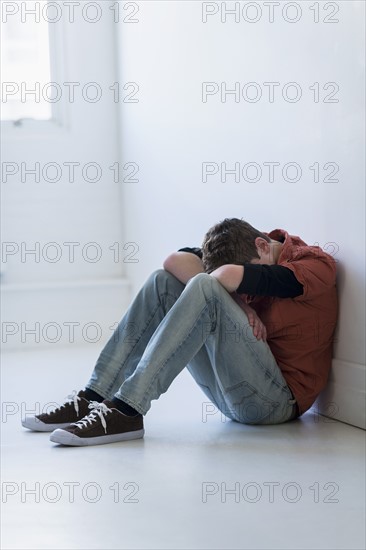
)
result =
(31, 69)
(25, 68)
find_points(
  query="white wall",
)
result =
(36, 290)
(170, 132)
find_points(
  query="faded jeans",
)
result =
(170, 326)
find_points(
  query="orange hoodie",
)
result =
(300, 330)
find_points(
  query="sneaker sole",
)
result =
(66, 438)
(38, 426)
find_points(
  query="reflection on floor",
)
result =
(196, 481)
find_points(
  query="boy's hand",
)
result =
(259, 329)
(229, 275)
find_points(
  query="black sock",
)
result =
(92, 395)
(124, 407)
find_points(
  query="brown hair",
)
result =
(230, 241)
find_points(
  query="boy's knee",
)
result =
(157, 277)
(159, 273)
(204, 280)
(160, 278)
(201, 278)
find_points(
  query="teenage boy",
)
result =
(250, 314)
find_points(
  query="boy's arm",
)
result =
(183, 265)
(259, 280)
(229, 275)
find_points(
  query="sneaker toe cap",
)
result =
(64, 437)
(33, 423)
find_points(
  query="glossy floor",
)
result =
(195, 481)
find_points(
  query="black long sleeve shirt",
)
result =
(263, 280)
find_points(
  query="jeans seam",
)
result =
(266, 371)
(160, 304)
(172, 354)
(112, 382)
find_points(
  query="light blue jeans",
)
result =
(170, 326)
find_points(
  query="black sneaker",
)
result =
(104, 424)
(76, 407)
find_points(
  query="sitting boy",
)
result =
(250, 314)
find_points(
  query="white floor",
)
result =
(195, 481)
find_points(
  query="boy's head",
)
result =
(231, 241)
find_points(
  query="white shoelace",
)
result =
(98, 410)
(72, 398)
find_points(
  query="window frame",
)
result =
(58, 123)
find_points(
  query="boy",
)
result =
(251, 315)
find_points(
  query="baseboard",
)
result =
(61, 313)
(344, 398)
